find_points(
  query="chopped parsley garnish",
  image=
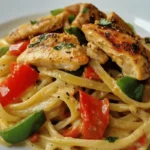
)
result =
(3, 50)
(71, 18)
(111, 139)
(147, 40)
(56, 11)
(104, 22)
(41, 38)
(78, 33)
(66, 45)
(34, 22)
(85, 10)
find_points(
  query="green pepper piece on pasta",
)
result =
(24, 129)
(131, 87)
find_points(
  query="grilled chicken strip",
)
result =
(119, 23)
(147, 47)
(125, 50)
(85, 13)
(45, 24)
(94, 52)
(55, 51)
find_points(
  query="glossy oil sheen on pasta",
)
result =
(81, 49)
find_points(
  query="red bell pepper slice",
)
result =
(17, 49)
(20, 79)
(71, 132)
(95, 116)
(91, 74)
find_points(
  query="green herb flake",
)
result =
(111, 139)
(60, 46)
(57, 47)
(71, 18)
(56, 11)
(85, 10)
(3, 50)
(70, 45)
(104, 22)
(34, 22)
(147, 40)
(41, 38)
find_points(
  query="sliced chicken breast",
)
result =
(94, 52)
(119, 23)
(84, 13)
(125, 50)
(55, 51)
(45, 24)
(147, 47)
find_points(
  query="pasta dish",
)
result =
(77, 79)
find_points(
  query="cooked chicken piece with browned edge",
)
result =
(94, 52)
(84, 13)
(146, 46)
(125, 50)
(45, 24)
(119, 23)
(55, 51)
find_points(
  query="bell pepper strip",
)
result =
(131, 87)
(78, 33)
(73, 132)
(17, 49)
(34, 138)
(91, 74)
(20, 79)
(95, 116)
(24, 129)
(3, 50)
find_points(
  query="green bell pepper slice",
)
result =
(24, 129)
(131, 87)
(3, 50)
(78, 33)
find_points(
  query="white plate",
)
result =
(16, 12)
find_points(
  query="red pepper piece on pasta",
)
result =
(95, 116)
(34, 138)
(20, 79)
(12, 66)
(143, 140)
(72, 132)
(17, 49)
(91, 74)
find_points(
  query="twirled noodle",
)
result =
(111, 83)
(103, 144)
(79, 81)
